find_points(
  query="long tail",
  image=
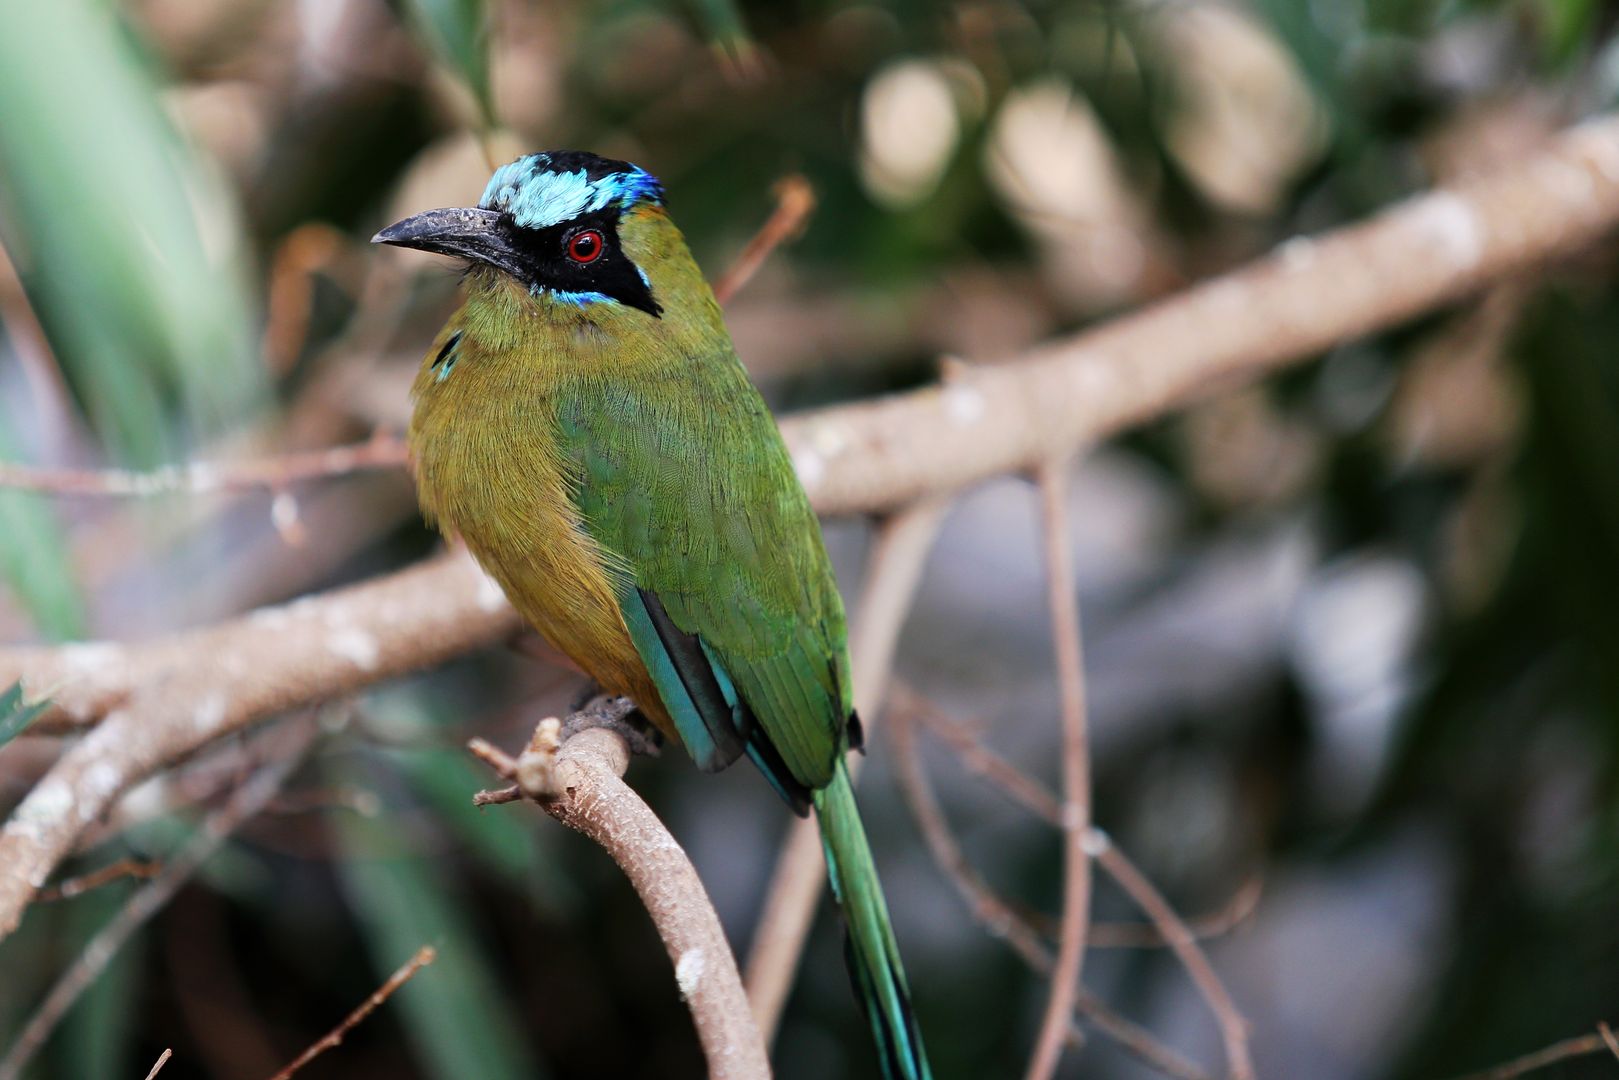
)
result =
(873, 956)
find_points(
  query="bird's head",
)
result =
(561, 224)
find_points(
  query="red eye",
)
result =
(586, 246)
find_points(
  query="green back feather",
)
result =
(698, 503)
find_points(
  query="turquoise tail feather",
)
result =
(873, 955)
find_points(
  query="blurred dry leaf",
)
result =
(1245, 122)
(1457, 402)
(229, 119)
(908, 132)
(526, 67)
(1053, 163)
(1242, 452)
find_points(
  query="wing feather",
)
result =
(727, 590)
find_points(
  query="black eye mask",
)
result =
(542, 259)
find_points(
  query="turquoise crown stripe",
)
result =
(538, 196)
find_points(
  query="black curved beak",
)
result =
(467, 232)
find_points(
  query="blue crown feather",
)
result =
(541, 190)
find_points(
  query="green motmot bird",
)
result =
(583, 423)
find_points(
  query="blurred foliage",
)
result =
(35, 561)
(124, 239)
(457, 31)
(459, 1019)
(15, 715)
(1402, 713)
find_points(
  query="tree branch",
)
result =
(165, 700)
(579, 783)
(1075, 816)
(1310, 294)
(281, 760)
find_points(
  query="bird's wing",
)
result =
(723, 580)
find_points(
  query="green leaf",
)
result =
(506, 843)
(722, 22)
(126, 242)
(15, 715)
(1320, 50)
(35, 561)
(456, 1013)
(457, 32)
(445, 779)
(1566, 27)
(97, 1036)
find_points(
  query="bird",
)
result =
(583, 424)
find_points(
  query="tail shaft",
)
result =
(873, 955)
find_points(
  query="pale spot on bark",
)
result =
(356, 646)
(963, 404)
(689, 971)
(490, 596)
(811, 467)
(1297, 253)
(1454, 228)
(86, 658)
(210, 713)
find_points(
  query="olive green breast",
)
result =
(489, 468)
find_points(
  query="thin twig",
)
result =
(162, 1060)
(284, 751)
(1032, 796)
(424, 956)
(1063, 599)
(1212, 924)
(581, 786)
(1003, 775)
(1578, 1046)
(78, 886)
(1171, 929)
(309, 249)
(893, 569)
(1169, 926)
(795, 202)
(999, 917)
(276, 472)
(497, 797)
(1233, 1028)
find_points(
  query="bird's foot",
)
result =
(535, 770)
(619, 715)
